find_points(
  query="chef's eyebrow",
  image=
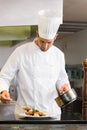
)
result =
(42, 40)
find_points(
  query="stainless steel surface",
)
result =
(7, 108)
(76, 126)
(66, 98)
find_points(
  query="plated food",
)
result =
(33, 112)
(27, 108)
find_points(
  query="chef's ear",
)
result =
(56, 36)
(37, 34)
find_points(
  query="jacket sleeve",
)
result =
(8, 71)
(63, 77)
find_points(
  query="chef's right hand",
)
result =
(63, 89)
(5, 97)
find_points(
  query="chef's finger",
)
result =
(63, 89)
(5, 100)
(5, 96)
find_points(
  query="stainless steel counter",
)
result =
(45, 127)
(7, 109)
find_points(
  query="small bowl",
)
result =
(66, 98)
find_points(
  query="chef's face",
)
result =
(45, 44)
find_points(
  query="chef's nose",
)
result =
(45, 45)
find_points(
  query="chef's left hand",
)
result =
(63, 89)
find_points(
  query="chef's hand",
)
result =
(5, 97)
(63, 89)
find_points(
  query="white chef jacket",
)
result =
(39, 74)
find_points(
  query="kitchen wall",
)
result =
(75, 47)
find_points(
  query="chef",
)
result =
(39, 68)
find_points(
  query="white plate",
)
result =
(23, 115)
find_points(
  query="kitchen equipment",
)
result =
(7, 108)
(13, 92)
(66, 98)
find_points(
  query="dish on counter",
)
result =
(23, 115)
(30, 112)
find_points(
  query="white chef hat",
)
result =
(48, 23)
